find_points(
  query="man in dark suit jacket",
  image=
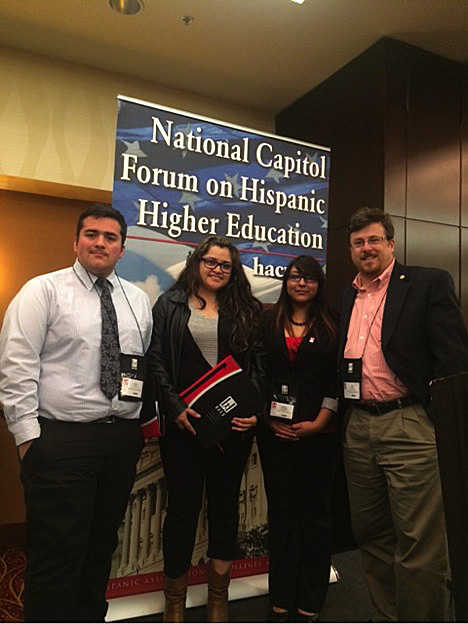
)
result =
(401, 327)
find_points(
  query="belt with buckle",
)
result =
(377, 408)
(106, 419)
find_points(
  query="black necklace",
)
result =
(298, 324)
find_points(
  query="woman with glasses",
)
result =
(208, 314)
(298, 442)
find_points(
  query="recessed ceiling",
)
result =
(262, 54)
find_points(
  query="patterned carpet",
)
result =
(12, 562)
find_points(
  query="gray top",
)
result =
(204, 331)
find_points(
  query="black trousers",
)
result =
(77, 479)
(187, 466)
(298, 480)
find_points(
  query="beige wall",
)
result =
(57, 119)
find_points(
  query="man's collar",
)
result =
(88, 279)
(379, 281)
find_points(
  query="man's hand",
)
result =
(23, 448)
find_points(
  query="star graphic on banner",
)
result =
(185, 131)
(275, 174)
(133, 147)
(234, 183)
(324, 222)
(189, 198)
(312, 158)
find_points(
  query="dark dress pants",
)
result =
(77, 479)
(187, 466)
(298, 481)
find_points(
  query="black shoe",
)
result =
(302, 617)
(274, 616)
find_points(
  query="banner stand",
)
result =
(141, 605)
(179, 177)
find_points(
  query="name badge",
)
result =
(351, 376)
(132, 377)
(281, 410)
(351, 390)
(131, 388)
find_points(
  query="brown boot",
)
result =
(217, 595)
(175, 591)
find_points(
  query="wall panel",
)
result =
(433, 176)
(464, 175)
(395, 160)
(464, 272)
(434, 245)
(399, 224)
(36, 237)
(434, 85)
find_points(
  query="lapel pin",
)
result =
(402, 277)
(312, 339)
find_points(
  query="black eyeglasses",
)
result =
(296, 277)
(211, 263)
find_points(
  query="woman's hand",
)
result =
(183, 422)
(243, 424)
(305, 429)
(312, 427)
(283, 431)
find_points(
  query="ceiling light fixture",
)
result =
(126, 7)
(298, 1)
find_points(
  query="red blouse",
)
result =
(292, 343)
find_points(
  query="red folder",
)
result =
(223, 393)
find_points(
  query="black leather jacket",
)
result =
(170, 317)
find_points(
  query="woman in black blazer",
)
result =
(298, 442)
(208, 314)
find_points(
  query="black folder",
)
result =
(223, 393)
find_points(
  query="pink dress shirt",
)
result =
(379, 382)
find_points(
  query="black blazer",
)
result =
(423, 335)
(313, 372)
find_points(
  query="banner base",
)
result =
(140, 605)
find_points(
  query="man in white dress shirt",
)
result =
(78, 442)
